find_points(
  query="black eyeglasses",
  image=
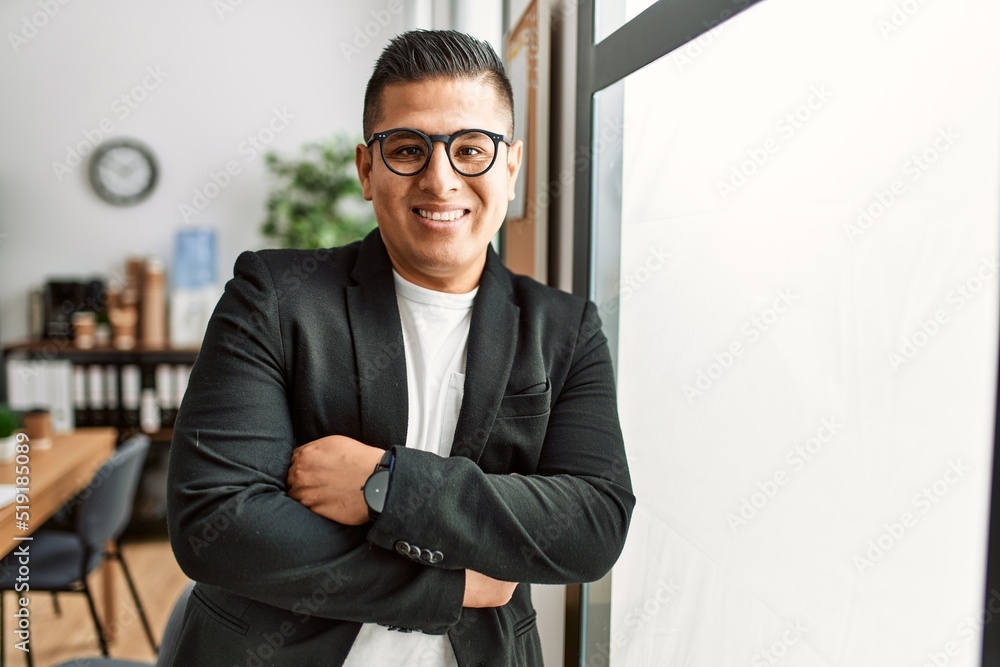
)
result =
(407, 151)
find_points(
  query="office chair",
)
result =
(170, 635)
(61, 560)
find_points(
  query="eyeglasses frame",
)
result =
(431, 139)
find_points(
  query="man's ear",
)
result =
(514, 155)
(363, 161)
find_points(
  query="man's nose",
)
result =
(439, 175)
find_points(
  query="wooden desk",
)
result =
(56, 474)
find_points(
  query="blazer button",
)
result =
(425, 555)
(436, 557)
(414, 552)
(403, 548)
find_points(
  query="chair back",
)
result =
(106, 504)
(173, 629)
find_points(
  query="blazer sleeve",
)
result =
(231, 523)
(565, 524)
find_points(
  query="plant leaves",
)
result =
(316, 197)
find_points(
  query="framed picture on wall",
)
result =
(524, 234)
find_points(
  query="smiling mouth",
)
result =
(441, 216)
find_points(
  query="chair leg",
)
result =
(3, 640)
(135, 596)
(97, 622)
(28, 659)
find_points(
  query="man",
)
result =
(475, 408)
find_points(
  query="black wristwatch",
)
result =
(377, 486)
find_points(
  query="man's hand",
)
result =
(482, 591)
(326, 476)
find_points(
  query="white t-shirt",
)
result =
(435, 341)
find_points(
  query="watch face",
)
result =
(122, 171)
(375, 490)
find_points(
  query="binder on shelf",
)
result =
(81, 408)
(20, 386)
(131, 387)
(39, 388)
(97, 395)
(111, 384)
(60, 395)
(166, 394)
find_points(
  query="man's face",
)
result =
(448, 254)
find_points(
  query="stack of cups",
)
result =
(84, 327)
(38, 428)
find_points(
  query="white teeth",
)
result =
(447, 216)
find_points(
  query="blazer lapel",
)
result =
(373, 316)
(492, 343)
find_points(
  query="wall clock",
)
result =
(123, 171)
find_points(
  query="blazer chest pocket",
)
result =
(533, 403)
(515, 443)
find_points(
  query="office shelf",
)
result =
(149, 515)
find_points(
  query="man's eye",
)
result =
(408, 151)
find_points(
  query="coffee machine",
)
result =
(61, 298)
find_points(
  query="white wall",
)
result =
(482, 18)
(224, 74)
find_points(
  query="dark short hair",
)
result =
(418, 55)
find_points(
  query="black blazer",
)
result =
(305, 344)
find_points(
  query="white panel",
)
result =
(808, 338)
(550, 605)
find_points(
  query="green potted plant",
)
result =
(317, 201)
(10, 422)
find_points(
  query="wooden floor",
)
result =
(56, 639)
